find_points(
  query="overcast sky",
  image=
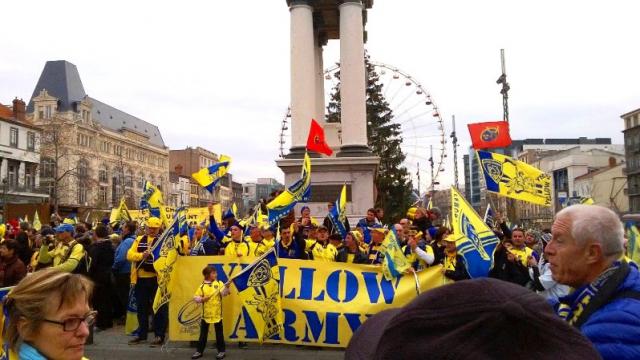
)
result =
(216, 73)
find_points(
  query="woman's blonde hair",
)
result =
(35, 294)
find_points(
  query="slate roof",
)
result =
(61, 79)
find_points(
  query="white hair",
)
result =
(598, 224)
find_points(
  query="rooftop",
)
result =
(61, 79)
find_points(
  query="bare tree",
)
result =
(63, 158)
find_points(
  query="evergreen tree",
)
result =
(393, 183)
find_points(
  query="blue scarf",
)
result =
(572, 307)
(28, 352)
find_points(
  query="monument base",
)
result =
(327, 177)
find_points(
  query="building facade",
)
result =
(187, 161)
(254, 192)
(19, 157)
(180, 190)
(607, 187)
(92, 154)
(632, 152)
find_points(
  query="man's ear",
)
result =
(594, 252)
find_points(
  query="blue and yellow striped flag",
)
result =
(258, 288)
(338, 213)
(298, 191)
(515, 179)
(208, 177)
(165, 254)
(475, 241)
(151, 199)
(394, 263)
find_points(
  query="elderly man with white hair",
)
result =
(586, 253)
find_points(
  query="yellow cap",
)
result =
(450, 237)
(411, 213)
(153, 222)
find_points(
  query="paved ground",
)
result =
(112, 344)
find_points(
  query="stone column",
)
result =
(352, 80)
(319, 77)
(21, 174)
(3, 170)
(303, 84)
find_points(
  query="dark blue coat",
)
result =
(614, 329)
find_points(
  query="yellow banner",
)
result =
(323, 303)
(198, 214)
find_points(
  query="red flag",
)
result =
(316, 141)
(487, 135)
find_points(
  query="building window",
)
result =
(47, 112)
(13, 174)
(102, 194)
(29, 177)
(13, 137)
(128, 179)
(47, 167)
(83, 174)
(31, 141)
(102, 174)
(141, 181)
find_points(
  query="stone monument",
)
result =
(313, 23)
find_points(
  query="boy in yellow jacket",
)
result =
(210, 294)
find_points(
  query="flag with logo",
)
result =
(165, 254)
(475, 241)
(37, 225)
(5, 352)
(258, 288)
(489, 135)
(513, 178)
(298, 191)
(316, 140)
(151, 199)
(394, 263)
(338, 212)
(208, 177)
(633, 244)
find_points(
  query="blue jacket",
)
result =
(614, 329)
(120, 263)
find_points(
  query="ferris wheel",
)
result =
(421, 126)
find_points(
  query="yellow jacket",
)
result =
(259, 248)
(236, 250)
(210, 295)
(522, 255)
(59, 253)
(136, 257)
(321, 252)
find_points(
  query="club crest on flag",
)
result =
(469, 232)
(490, 133)
(493, 168)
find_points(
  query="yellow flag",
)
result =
(36, 221)
(515, 179)
(259, 290)
(394, 263)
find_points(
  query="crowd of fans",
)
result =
(576, 256)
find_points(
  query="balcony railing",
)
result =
(11, 188)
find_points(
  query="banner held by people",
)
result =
(489, 217)
(323, 303)
(165, 253)
(475, 241)
(515, 179)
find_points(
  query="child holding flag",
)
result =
(210, 294)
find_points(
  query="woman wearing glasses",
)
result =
(49, 315)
